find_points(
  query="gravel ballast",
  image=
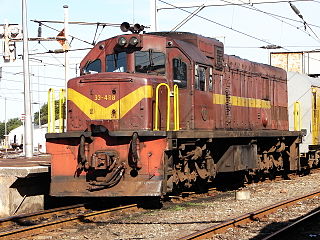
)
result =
(180, 219)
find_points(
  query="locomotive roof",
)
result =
(187, 36)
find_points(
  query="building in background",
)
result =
(15, 138)
(306, 62)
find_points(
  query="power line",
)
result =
(58, 60)
(32, 75)
(260, 47)
(296, 10)
(268, 13)
(275, 16)
(12, 99)
(21, 91)
(230, 28)
(219, 24)
(41, 84)
(71, 50)
(258, 10)
(73, 37)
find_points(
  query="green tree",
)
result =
(1, 130)
(44, 113)
(11, 124)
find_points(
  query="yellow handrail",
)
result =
(51, 111)
(61, 109)
(315, 117)
(297, 116)
(156, 127)
(176, 107)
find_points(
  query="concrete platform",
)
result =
(23, 184)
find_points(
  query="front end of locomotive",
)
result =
(110, 148)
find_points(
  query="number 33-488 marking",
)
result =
(104, 97)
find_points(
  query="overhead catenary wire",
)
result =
(12, 99)
(33, 75)
(219, 24)
(57, 59)
(296, 10)
(184, 21)
(40, 84)
(230, 28)
(52, 52)
(276, 16)
(60, 31)
(226, 46)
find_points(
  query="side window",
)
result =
(93, 67)
(117, 62)
(179, 73)
(211, 79)
(200, 78)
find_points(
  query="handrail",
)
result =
(315, 117)
(297, 116)
(51, 111)
(176, 107)
(156, 127)
(62, 100)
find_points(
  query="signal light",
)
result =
(122, 41)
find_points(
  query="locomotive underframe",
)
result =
(189, 158)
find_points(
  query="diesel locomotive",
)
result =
(156, 112)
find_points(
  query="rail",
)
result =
(176, 108)
(38, 228)
(249, 217)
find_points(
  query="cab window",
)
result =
(93, 67)
(179, 73)
(149, 62)
(200, 78)
(116, 62)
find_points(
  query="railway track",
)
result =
(290, 230)
(32, 224)
(249, 217)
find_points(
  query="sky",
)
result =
(242, 29)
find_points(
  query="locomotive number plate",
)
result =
(99, 97)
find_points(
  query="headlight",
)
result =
(133, 41)
(122, 41)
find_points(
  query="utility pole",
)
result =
(28, 146)
(5, 126)
(66, 58)
(153, 15)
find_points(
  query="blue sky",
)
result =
(50, 73)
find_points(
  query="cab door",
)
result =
(203, 110)
(180, 74)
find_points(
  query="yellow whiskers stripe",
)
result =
(241, 101)
(116, 110)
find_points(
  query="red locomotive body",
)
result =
(158, 111)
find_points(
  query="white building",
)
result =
(15, 138)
